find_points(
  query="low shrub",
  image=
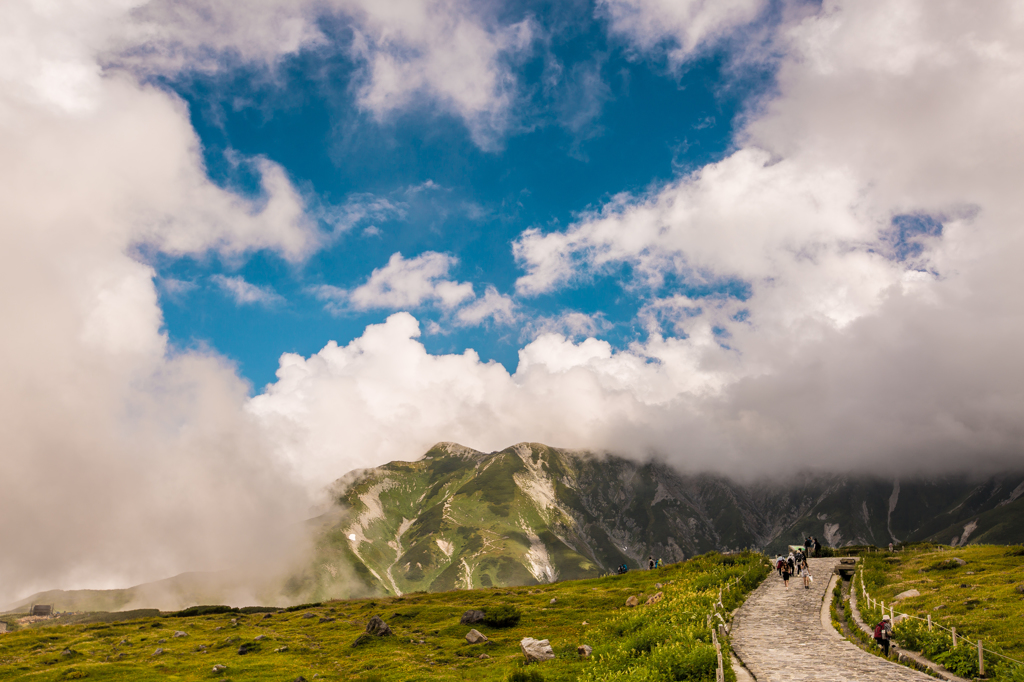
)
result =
(504, 616)
(203, 611)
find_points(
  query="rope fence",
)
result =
(873, 604)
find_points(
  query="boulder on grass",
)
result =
(536, 649)
(907, 595)
(632, 601)
(584, 650)
(472, 616)
(378, 627)
(475, 637)
(219, 668)
(655, 598)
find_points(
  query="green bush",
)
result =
(301, 607)
(962, 660)
(525, 676)
(504, 616)
(944, 565)
(683, 661)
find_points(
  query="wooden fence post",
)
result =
(929, 622)
(954, 637)
(981, 659)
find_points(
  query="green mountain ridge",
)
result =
(457, 518)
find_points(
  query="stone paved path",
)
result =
(779, 636)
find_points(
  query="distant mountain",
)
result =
(459, 518)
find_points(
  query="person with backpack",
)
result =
(883, 633)
(650, 563)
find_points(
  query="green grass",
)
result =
(980, 599)
(666, 640)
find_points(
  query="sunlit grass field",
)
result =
(983, 599)
(666, 640)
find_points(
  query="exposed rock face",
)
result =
(632, 601)
(475, 637)
(907, 595)
(536, 649)
(378, 627)
(655, 598)
(471, 617)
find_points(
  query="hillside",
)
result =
(459, 518)
(318, 641)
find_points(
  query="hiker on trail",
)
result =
(883, 631)
(817, 546)
(778, 563)
(805, 573)
(650, 563)
(890, 546)
(786, 572)
(807, 546)
(791, 562)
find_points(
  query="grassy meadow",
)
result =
(667, 640)
(983, 599)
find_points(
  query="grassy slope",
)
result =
(325, 648)
(979, 599)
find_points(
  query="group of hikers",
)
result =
(794, 564)
(652, 564)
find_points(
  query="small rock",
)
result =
(234, 621)
(632, 601)
(280, 650)
(964, 585)
(121, 655)
(1019, 589)
(247, 648)
(267, 615)
(378, 627)
(124, 642)
(968, 572)
(201, 647)
(483, 656)
(475, 637)
(326, 620)
(554, 600)
(471, 617)
(161, 641)
(583, 650)
(658, 586)
(219, 668)
(259, 637)
(958, 561)
(654, 598)
(300, 678)
(219, 627)
(309, 615)
(158, 652)
(536, 649)
(940, 606)
(585, 623)
(907, 595)
(68, 652)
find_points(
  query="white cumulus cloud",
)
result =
(247, 293)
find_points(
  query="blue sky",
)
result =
(609, 121)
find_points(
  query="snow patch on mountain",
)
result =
(446, 547)
(540, 565)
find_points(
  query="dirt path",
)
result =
(779, 635)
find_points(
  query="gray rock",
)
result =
(483, 656)
(958, 561)
(471, 617)
(281, 650)
(907, 595)
(554, 600)
(655, 598)
(536, 649)
(179, 633)
(259, 637)
(584, 650)
(475, 637)
(309, 615)
(219, 627)
(158, 652)
(219, 668)
(326, 620)
(378, 627)
(632, 601)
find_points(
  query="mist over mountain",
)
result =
(459, 518)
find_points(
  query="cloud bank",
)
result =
(871, 224)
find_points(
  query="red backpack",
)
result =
(878, 631)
